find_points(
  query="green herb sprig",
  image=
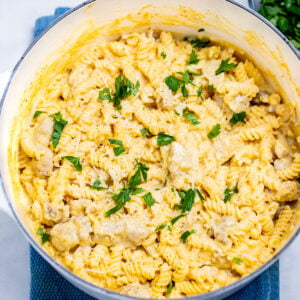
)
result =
(75, 161)
(58, 127)
(45, 236)
(225, 66)
(119, 149)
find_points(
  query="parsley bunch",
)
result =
(123, 89)
(188, 199)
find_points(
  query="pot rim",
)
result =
(103, 291)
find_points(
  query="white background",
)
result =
(17, 19)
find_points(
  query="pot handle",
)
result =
(4, 206)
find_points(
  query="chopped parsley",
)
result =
(45, 236)
(188, 199)
(174, 220)
(164, 139)
(237, 260)
(123, 89)
(211, 88)
(225, 66)
(186, 234)
(199, 91)
(176, 112)
(238, 117)
(163, 54)
(190, 116)
(75, 161)
(173, 83)
(120, 199)
(140, 173)
(215, 131)
(37, 113)
(170, 287)
(200, 29)
(184, 91)
(200, 43)
(119, 149)
(145, 132)
(160, 227)
(58, 127)
(228, 193)
(149, 200)
(137, 191)
(193, 60)
(97, 185)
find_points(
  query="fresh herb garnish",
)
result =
(163, 54)
(37, 113)
(188, 199)
(211, 88)
(160, 227)
(97, 185)
(58, 127)
(285, 16)
(75, 161)
(184, 91)
(238, 117)
(149, 200)
(164, 139)
(170, 287)
(123, 89)
(145, 132)
(193, 60)
(173, 83)
(120, 199)
(215, 131)
(176, 112)
(225, 66)
(137, 191)
(140, 173)
(228, 193)
(119, 149)
(200, 43)
(200, 29)
(190, 116)
(174, 220)
(237, 260)
(186, 234)
(45, 236)
(199, 91)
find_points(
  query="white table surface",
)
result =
(16, 26)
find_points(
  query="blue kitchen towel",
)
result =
(47, 284)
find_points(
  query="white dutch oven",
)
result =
(225, 20)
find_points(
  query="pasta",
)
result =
(160, 167)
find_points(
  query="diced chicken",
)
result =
(289, 191)
(127, 232)
(281, 148)
(55, 213)
(65, 236)
(239, 103)
(44, 165)
(42, 132)
(282, 163)
(219, 229)
(136, 290)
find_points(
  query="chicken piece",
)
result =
(281, 148)
(55, 213)
(136, 290)
(127, 232)
(288, 191)
(44, 165)
(239, 103)
(65, 236)
(283, 163)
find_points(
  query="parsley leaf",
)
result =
(170, 287)
(160, 227)
(199, 91)
(176, 112)
(200, 29)
(184, 91)
(200, 43)
(211, 88)
(199, 195)
(58, 127)
(228, 193)
(187, 200)
(237, 260)
(140, 173)
(137, 191)
(173, 83)
(163, 54)
(145, 132)
(45, 236)
(225, 66)
(37, 113)
(75, 161)
(105, 94)
(215, 131)
(186, 76)
(238, 117)
(123, 89)
(120, 199)
(186, 234)
(149, 200)
(117, 150)
(97, 185)
(164, 139)
(193, 60)
(190, 116)
(174, 220)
